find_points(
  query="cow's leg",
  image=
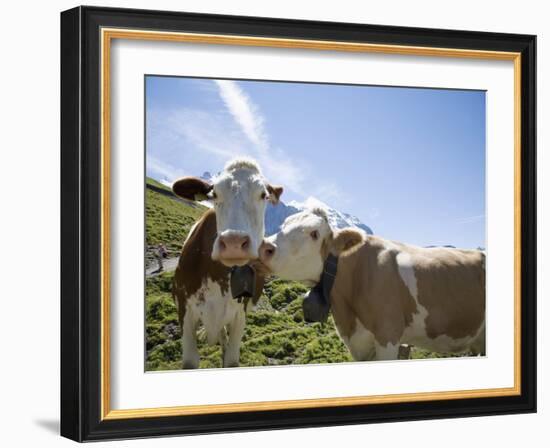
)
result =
(232, 350)
(404, 351)
(223, 341)
(360, 343)
(478, 346)
(358, 340)
(190, 352)
(223, 338)
(387, 352)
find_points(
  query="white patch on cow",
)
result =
(389, 250)
(223, 319)
(405, 267)
(214, 309)
(360, 343)
(387, 352)
(415, 333)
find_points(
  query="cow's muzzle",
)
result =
(233, 249)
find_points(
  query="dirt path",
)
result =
(169, 266)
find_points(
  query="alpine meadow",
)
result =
(331, 223)
(275, 333)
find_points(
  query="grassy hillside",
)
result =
(156, 183)
(275, 334)
(167, 218)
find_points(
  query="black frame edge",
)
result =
(529, 222)
(71, 383)
(80, 205)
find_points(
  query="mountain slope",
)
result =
(168, 218)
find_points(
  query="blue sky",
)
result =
(408, 162)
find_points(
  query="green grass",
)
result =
(155, 183)
(167, 219)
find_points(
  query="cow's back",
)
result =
(388, 288)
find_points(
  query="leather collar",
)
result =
(316, 305)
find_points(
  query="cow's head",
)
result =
(298, 252)
(239, 195)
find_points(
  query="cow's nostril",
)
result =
(234, 245)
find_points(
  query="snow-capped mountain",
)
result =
(276, 214)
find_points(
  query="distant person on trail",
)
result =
(161, 253)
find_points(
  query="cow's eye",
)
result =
(315, 235)
(263, 196)
(213, 195)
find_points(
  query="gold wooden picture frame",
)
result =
(87, 36)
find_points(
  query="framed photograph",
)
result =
(274, 223)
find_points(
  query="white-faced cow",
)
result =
(227, 235)
(386, 293)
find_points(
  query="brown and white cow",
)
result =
(227, 235)
(386, 293)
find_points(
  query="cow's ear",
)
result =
(192, 188)
(346, 239)
(275, 192)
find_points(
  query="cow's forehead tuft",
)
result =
(242, 163)
(238, 179)
(319, 211)
(304, 220)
